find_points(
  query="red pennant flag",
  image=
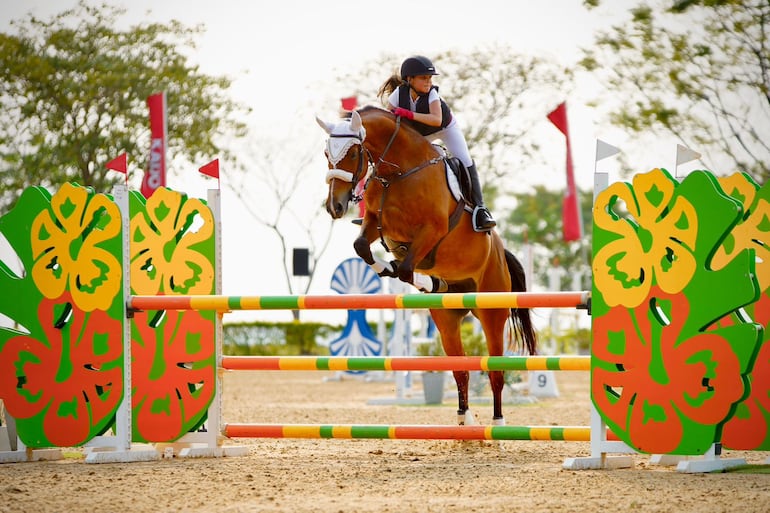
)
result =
(349, 103)
(211, 169)
(119, 164)
(572, 227)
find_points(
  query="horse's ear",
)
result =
(328, 127)
(355, 122)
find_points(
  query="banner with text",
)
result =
(155, 175)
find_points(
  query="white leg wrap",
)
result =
(469, 419)
(423, 282)
(380, 265)
(499, 422)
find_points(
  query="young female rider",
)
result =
(412, 95)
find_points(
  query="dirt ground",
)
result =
(381, 476)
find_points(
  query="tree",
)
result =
(498, 94)
(536, 221)
(73, 96)
(281, 176)
(697, 70)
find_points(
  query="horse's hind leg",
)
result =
(496, 383)
(493, 324)
(448, 324)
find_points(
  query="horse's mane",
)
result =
(373, 110)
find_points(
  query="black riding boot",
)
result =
(482, 217)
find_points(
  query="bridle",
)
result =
(335, 152)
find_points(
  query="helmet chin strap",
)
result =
(411, 88)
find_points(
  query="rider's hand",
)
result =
(404, 113)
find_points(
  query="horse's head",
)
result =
(347, 160)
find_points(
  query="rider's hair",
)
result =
(387, 87)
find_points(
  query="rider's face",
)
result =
(422, 83)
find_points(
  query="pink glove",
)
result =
(404, 113)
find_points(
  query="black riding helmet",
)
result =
(417, 66)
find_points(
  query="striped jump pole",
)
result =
(365, 301)
(408, 363)
(413, 432)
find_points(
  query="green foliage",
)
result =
(474, 343)
(430, 348)
(74, 92)
(276, 338)
(569, 341)
(696, 70)
(537, 219)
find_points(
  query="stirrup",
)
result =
(482, 219)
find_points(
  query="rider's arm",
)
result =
(432, 119)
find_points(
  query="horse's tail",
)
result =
(523, 330)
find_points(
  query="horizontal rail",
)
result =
(407, 363)
(413, 432)
(365, 301)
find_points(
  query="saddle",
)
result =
(458, 180)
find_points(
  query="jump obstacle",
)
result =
(209, 442)
(408, 363)
(364, 301)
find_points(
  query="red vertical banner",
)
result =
(359, 191)
(155, 175)
(572, 227)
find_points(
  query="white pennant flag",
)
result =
(685, 154)
(604, 150)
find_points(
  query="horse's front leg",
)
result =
(421, 244)
(363, 248)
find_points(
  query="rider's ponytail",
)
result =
(390, 85)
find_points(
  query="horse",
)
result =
(412, 211)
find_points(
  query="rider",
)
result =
(412, 95)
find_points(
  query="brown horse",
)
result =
(410, 208)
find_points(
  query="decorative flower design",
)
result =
(754, 229)
(653, 243)
(659, 388)
(174, 374)
(164, 257)
(749, 428)
(65, 393)
(66, 248)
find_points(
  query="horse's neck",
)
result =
(404, 154)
